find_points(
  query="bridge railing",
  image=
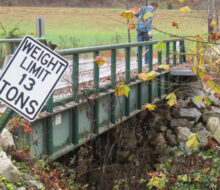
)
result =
(61, 130)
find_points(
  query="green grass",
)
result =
(69, 27)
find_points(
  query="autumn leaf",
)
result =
(211, 84)
(99, 60)
(171, 102)
(150, 107)
(206, 78)
(197, 178)
(143, 76)
(185, 9)
(122, 89)
(184, 178)
(127, 14)
(175, 24)
(135, 10)
(158, 182)
(131, 25)
(27, 128)
(147, 15)
(147, 76)
(205, 171)
(181, 1)
(198, 98)
(207, 101)
(172, 99)
(15, 122)
(160, 45)
(216, 89)
(192, 141)
(213, 23)
(201, 75)
(152, 74)
(164, 67)
(215, 36)
(194, 70)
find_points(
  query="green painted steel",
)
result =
(133, 98)
(181, 51)
(140, 48)
(37, 142)
(150, 92)
(174, 53)
(113, 83)
(62, 130)
(159, 57)
(162, 85)
(109, 47)
(155, 88)
(144, 93)
(104, 115)
(167, 53)
(150, 67)
(140, 71)
(96, 102)
(127, 79)
(75, 77)
(75, 125)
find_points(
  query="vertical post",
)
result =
(159, 57)
(127, 80)
(96, 86)
(181, 51)
(150, 69)
(113, 83)
(160, 90)
(167, 62)
(150, 57)
(140, 59)
(96, 74)
(139, 71)
(174, 53)
(75, 90)
(12, 47)
(167, 53)
(75, 77)
(49, 127)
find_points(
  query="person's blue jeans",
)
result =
(143, 36)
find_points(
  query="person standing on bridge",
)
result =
(144, 25)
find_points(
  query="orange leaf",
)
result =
(206, 78)
(175, 24)
(213, 23)
(131, 26)
(99, 60)
(27, 128)
(150, 107)
(15, 122)
(135, 10)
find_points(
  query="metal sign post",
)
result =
(40, 27)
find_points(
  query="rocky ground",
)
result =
(130, 149)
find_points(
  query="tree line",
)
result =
(101, 3)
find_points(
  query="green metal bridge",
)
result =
(59, 131)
